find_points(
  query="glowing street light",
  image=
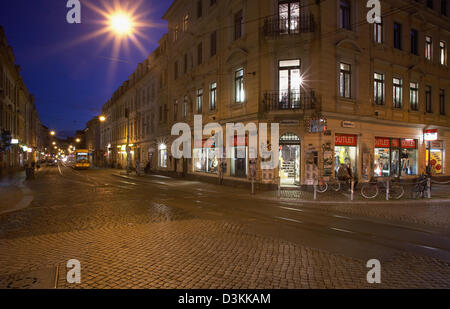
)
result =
(78, 140)
(121, 24)
(52, 133)
(54, 143)
(102, 118)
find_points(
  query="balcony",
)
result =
(279, 26)
(289, 101)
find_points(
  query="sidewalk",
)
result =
(14, 195)
(440, 193)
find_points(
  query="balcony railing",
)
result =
(292, 100)
(279, 26)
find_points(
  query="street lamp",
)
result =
(52, 133)
(78, 140)
(102, 118)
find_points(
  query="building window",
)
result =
(213, 43)
(442, 101)
(185, 107)
(345, 78)
(442, 53)
(289, 83)
(428, 47)
(213, 96)
(414, 96)
(175, 111)
(175, 33)
(430, 4)
(378, 32)
(397, 36)
(239, 96)
(398, 92)
(289, 16)
(428, 99)
(200, 101)
(378, 84)
(238, 21)
(200, 53)
(444, 7)
(185, 22)
(199, 8)
(344, 14)
(414, 42)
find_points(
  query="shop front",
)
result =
(346, 151)
(435, 157)
(395, 157)
(205, 158)
(289, 157)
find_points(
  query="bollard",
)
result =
(387, 189)
(352, 192)
(315, 192)
(429, 187)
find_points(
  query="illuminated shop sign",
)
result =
(345, 140)
(430, 135)
(409, 143)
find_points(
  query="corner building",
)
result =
(344, 91)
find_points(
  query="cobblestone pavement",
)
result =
(131, 235)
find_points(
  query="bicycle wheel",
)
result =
(322, 187)
(396, 192)
(336, 186)
(369, 191)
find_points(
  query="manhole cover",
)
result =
(38, 279)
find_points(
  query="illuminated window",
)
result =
(239, 86)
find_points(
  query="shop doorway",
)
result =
(289, 160)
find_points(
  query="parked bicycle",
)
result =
(371, 189)
(421, 187)
(335, 185)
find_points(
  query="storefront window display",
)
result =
(434, 157)
(345, 151)
(205, 158)
(394, 157)
(162, 156)
(408, 157)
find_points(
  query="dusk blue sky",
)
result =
(71, 80)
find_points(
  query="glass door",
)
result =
(289, 84)
(289, 15)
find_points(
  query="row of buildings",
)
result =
(19, 118)
(344, 91)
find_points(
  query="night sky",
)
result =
(71, 77)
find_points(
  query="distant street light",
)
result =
(78, 140)
(54, 143)
(52, 133)
(102, 118)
